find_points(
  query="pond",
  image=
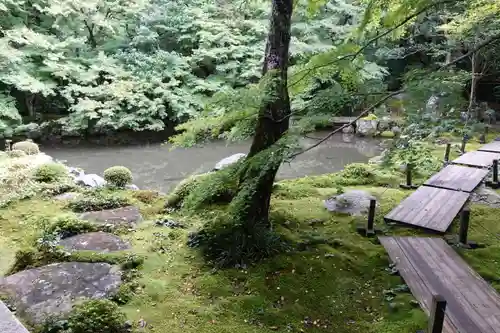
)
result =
(160, 167)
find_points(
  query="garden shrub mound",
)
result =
(50, 172)
(29, 147)
(118, 176)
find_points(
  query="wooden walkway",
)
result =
(430, 266)
(480, 159)
(458, 178)
(493, 147)
(435, 204)
(429, 208)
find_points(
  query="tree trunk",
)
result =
(257, 181)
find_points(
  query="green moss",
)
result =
(97, 316)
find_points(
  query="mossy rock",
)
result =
(387, 134)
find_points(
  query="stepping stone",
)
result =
(128, 216)
(67, 196)
(53, 289)
(95, 241)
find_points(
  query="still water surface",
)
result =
(159, 167)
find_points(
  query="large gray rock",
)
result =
(355, 202)
(53, 289)
(95, 241)
(365, 127)
(128, 216)
(90, 180)
(224, 163)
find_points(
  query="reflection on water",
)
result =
(159, 167)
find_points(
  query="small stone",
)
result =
(67, 196)
(355, 202)
(90, 180)
(132, 187)
(228, 161)
(170, 224)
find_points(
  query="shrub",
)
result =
(50, 172)
(96, 316)
(16, 153)
(29, 147)
(97, 201)
(118, 176)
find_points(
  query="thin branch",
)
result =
(474, 50)
(382, 100)
(370, 41)
(371, 108)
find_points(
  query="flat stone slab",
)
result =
(53, 289)
(95, 241)
(8, 322)
(129, 215)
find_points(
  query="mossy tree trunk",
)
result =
(251, 204)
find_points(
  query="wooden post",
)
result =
(408, 175)
(8, 145)
(370, 231)
(447, 153)
(464, 226)
(464, 142)
(495, 171)
(408, 185)
(436, 319)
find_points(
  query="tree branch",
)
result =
(474, 50)
(371, 108)
(370, 41)
(382, 100)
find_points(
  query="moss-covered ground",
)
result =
(339, 281)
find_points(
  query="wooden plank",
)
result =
(481, 159)
(493, 147)
(430, 266)
(429, 208)
(457, 177)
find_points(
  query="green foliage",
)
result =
(29, 147)
(118, 176)
(99, 316)
(418, 154)
(50, 172)
(97, 200)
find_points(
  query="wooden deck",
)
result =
(481, 159)
(493, 147)
(430, 208)
(457, 177)
(429, 266)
